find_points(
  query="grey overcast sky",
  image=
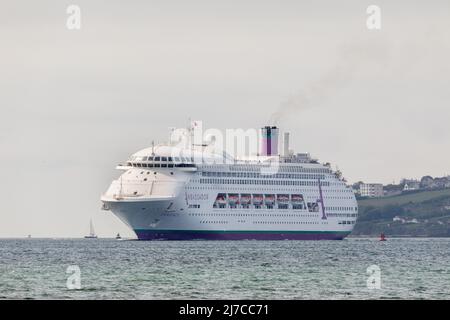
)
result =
(76, 103)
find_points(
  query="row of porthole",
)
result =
(282, 168)
(347, 222)
(249, 215)
(284, 222)
(222, 222)
(263, 188)
(342, 215)
(148, 172)
(264, 222)
(240, 188)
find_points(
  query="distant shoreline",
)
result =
(396, 236)
(134, 239)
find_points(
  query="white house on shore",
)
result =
(410, 185)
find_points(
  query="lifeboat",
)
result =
(269, 199)
(283, 198)
(257, 199)
(221, 199)
(297, 198)
(245, 198)
(233, 199)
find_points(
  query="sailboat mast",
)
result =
(92, 232)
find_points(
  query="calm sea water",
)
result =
(111, 269)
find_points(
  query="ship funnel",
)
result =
(269, 141)
(286, 144)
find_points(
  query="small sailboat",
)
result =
(118, 237)
(92, 234)
(382, 237)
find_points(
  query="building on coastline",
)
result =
(410, 185)
(371, 190)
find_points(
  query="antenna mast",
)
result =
(171, 130)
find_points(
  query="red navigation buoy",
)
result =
(382, 237)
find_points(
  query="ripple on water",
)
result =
(410, 268)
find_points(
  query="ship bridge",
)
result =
(165, 156)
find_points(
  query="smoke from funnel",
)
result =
(350, 59)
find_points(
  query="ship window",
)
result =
(170, 165)
(157, 165)
(163, 158)
(150, 165)
(177, 159)
(150, 158)
(164, 165)
(144, 158)
(169, 158)
(157, 158)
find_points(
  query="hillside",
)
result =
(417, 214)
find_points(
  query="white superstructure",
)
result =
(167, 192)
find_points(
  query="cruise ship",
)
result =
(193, 191)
